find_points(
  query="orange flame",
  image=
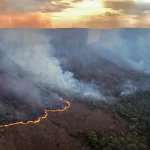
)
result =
(46, 111)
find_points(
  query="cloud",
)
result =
(117, 5)
(117, 22)
(3, 5)
(54, 6)
(73, 13)
(110, 19)
(117, 19)
(26, 20)
(103, 22)
(129, 6)
(33, 5)
(18, 6)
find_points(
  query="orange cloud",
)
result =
(46, 20)
(73, 13)
(3, 5)
(26, 20)
(118, 21)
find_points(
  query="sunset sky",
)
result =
(74, 13)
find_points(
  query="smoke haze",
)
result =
(32, 50)
(106, 57)
(128, 47)
(46, 55)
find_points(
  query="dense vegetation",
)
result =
(100, 140)
(135, 109)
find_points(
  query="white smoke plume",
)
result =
(32, 50)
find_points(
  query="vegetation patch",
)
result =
(135, 109)
(101, 140)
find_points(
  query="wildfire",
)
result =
(46, 111)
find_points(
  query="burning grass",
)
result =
(46, 111)
(15, 110)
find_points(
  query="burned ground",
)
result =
(59, 130)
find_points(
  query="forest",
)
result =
(135, 110)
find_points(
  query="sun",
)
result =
(90, 4)
(82, 9)
(88, 7)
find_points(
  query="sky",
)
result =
(74, 13)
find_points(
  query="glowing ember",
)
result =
(40, 118)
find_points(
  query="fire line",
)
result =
(46, 111)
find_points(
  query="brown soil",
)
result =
(58, 130)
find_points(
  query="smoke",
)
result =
(39, 54)
(32, 50)
(107, 57)
(128, 88)
(128, 48)
(34, 66)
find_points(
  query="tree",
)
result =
(132, 147)
(92, 138)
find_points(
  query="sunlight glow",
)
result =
(86, 4)
(83, 8)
